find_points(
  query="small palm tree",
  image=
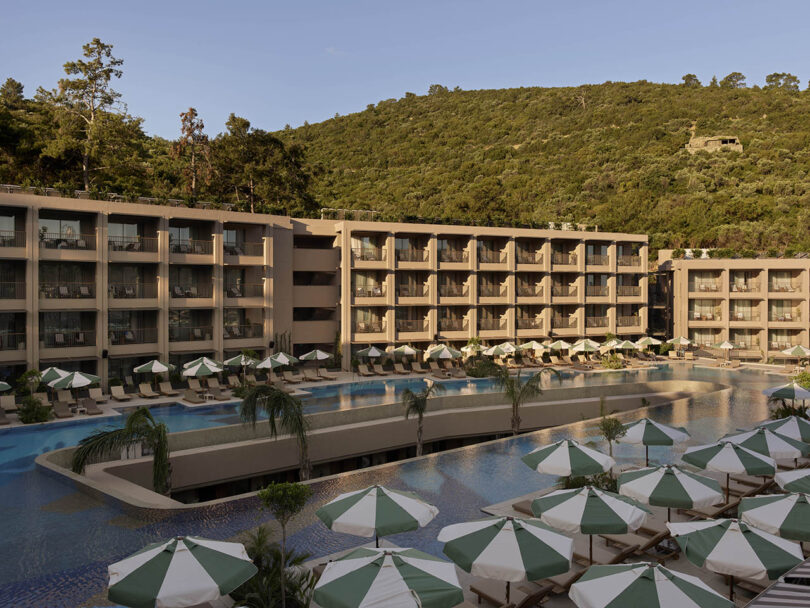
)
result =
(284, 413)
(416, 405)
(611, 428)
(519, 392)
(139, 427)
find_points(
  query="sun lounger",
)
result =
(7, 403)
(417, 368)
(195, 385)
(66, 397)
(233, 381)
(436, 371)
(42, 398)
(61, 409)
(399, 369)
(278, 384)
(250, 379)
(378, 369)
(311, 376)
(321, 371)
(646, 546)
(145, 391)
(213, 383)
(117, 393)
(689, 355)
(166, 389)
(673, 355)
(363, 370)
(218, 393)
(555, 360)
(97, 396)
(494, 592)
(90, 407)
(288, 377)
(190, 396)
(452, 370)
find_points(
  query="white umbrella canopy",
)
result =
(284, 358)
(268, 363)
(625, 345)
(403, 351)
(648, 432)
(559, 345)
(531, 345)
(315, 355)
(206, 360)
(241, 360)
(153, 367)
(372, 352)
(74, 380)
(49, 374)
(791, 426)
(679, 341)
(792, 390)
(769, 443)
(442, 352)
(798, 352)
(609, 344)
(646, 341)
(471, 349)
(200, 370)
(585, 346)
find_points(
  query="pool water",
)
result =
(56, 542)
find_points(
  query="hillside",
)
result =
(610, 154)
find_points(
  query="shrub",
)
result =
(678, 253)
(32, 411)
(115, 382)
(481, 367)
(612, 362)
(603, 481)
(664, 348)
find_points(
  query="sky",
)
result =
(278, 63)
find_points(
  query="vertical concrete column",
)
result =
(511, 288)
(32, 286)
(344, 239)
(473, 283)
(163, 288)
(267, 280)
(433, 285)
(644, 282)
(545, 249)
(217, 316)
(390, 278)
(102, 294)
(282, 283)
(580, 251)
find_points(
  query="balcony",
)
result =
(705, 316)
(131, 291)
(744, 287)
(252, 249)
(369, 254)
(596, 321)
(597, 260)
(529, 257)
(491, 291)
(143, 335)
(563, 322)
(523, 323)
(244, 290)
(370, 291)
(133, 244)
(12, 291)
(781, 344)
(200, 290)
(743, 316)
(369, 327)
(12, 238)
(412, 255)
(704, 287)
(783, 288)
(785, 317)
(241, 332)
(412, 291)
(453, 291)
(631, 321)
(454, 255)
(746, 344)
(564, 291)
(190, 334)
(530, 291)
(628, 291)
(67, 291)
(487, 256)
(192, 247)
(453, 325)
(491, 324)
(629, 260)
(597, 291)
(68, 339)
(12, 341)
(53, 240)
(412, 325)
(564, 259)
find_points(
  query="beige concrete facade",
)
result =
(761, 305)
(100, 286)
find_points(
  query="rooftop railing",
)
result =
(564, 259)
(597, 260)
(629, 260)
(369, 254)
(529, 257)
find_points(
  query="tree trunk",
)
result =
(515, 419)
(419, 436)
(283, 563)
(193, 172)
(86, 171)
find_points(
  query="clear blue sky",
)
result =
(286, 62)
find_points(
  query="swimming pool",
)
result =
(57, 542)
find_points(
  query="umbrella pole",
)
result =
(646, 455)
(728, 482)
(668, 518)
(377, 541)
(507, 592)
(731, 588)
(590, 548)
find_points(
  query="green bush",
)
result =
(612, 362)
(32, 411)
(678, 253)
(115, 382)
(603, 481)
(481, 367)
(664, 348)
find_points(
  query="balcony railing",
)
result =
(238, 332)
(490, 324)
(246, 248)
(783, 288)
(565, 259)
(454, 255)
(12, 238)
(628, 290)
(564, 290)
(597, 260)
(125, 291)
(563, 322)
(530, 290)
(629, 260)
(244, 290)
(631, 321)
(529, 323)
(412, 324)
(491, 291)
(746, 345)
(453, 291)
(785, 317)
(412, 255)
(194, 246)
(67, 291)
(596, 290)
(12, 341)
(453, 324)
(486, 256)
(12, 291)
(370, 291)
(596, 321)
(705, 286)
(735, 315)
(200, 290)
(369, 327)
(68, 339)
(133, 243)
(705, 316)
(744, 287)
(369, 254)
(54, 240)
(189, 334)
(781, 344)
(529, 257)
(142, 335)
(412, 291)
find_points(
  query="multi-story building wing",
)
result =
(102, 286)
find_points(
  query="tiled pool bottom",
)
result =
(56, 543)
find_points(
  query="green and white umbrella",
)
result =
(508, 549)
(531, 345)
(372, 352)
(496, 351)
(585, 346)
(240, 360)
(609, 344)
(733, 548)
(794, 481)
(589, 510)
(646, 341)
(4, 386)
(376, 511)
(798, 351)
(786, 515)
(403, 351)
(768, 443)
(625, 345)
(315, 355)
(49, 374)
(559, 345)
(153, 367)
(200, 370)
(729, 458)
(75, 380)
(643, 585)
(670, 487)
(679, 341)
(648, 432)
(206, 360)
(792, 426)
(284, 359)
(443, 352)
(568, 457)
(391, 577)
(183, 571)
(791, 390)
(471, 349)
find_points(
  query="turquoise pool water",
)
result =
(56, 542)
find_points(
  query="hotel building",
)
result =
(102, 286)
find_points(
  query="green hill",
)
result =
(610, 154)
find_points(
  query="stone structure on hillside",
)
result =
(714, 143)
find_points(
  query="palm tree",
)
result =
(416, 404)
(284, 413)
(519, 392)
(139, 427)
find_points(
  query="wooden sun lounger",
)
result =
(233, 381)
(90, 406)
(191, 396)
(310, 376)
(689, 355)
(417, 368)
(399, 369)
(166, 389)
(251, 379)
(454, 371)
(378, 369)
(66, 397)
(494, 592)
(195, 385)
(61, 409)
(363, 370)
(7, 403)
(646, 546)
(117, 393)
(436, 371)
(97, 396)
(145, 391)
(321, 371)
(289, 378)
